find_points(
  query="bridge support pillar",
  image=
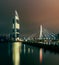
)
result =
(40, 36)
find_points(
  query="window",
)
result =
(17, 30)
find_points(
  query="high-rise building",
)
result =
(16, 26)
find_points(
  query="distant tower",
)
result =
(16, 26)
(40, 36)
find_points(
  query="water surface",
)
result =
(17, 53)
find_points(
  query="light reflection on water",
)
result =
(16, 50)
(22, 54)
(30, 55)
(40, 54)
(24, 49)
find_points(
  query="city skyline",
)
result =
(32, 14)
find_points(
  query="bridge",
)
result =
(43, 34)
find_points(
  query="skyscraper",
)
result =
(16, 26)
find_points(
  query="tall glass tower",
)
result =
(16, 26)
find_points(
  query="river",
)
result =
(17, 53)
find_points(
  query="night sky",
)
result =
(32, 13)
